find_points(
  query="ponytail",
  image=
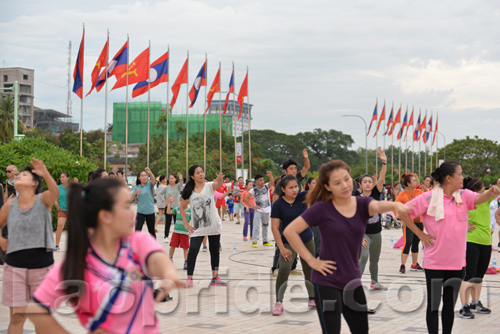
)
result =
(84, 204)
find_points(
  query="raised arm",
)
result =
(49, 196)
(151, 175)
(307, 163)
(383, 170)
(219, 180)
(492, 193)
(271, 179)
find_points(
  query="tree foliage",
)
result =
(7, 118)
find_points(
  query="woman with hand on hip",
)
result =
(205, 221)
(31, 240)
(445, 215)
(145, 201)
(342, 219)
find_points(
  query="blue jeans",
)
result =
(248, 221)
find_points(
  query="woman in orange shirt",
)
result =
(410, 182)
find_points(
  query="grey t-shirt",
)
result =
(165, 193)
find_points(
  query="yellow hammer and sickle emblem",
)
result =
(130, 71)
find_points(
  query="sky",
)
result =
(310, 62)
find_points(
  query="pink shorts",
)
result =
(19, 284)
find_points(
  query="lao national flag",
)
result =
(422, 127)
(201, 80)
(78, 72)
(374, 118)
(405, 123)
(410, 123)
(117, 66)
(428, 130)
(416, 133)
(231, 90)
(389, 121)
(381, 120)
(158, 73)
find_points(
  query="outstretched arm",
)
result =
(49, 196)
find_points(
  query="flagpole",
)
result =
(430, 160)
(406, 144)
(249, 139)
(235, 123)
(81, 109)
(376, 142)
(205, 120)
(168, 112)
(126, 113)
(106, 111)
(435, 135)
(413, 145)
(187, 115)
(425, 146)
(392, 149)
(385, 129)
(220, 129)
(149, 101)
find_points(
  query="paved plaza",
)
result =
(245, 305)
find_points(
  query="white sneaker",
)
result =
(166, 240)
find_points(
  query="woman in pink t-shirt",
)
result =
(444, 211)
(108, 269)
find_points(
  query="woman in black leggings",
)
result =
(204, 221)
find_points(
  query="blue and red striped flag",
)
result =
(397, 120)
(416, 133)
(231, 90)
(78, 72)
(405, 123)
(428, 130)
(158, 73)
(201, 80)
(117, 66)
(374, 118)
(389, 121)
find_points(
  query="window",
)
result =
(25, 76)
(5, 78)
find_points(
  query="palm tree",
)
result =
(6, 117)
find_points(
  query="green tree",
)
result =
(475, 155)
(7, 118)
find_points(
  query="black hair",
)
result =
(308, 183)
(36, 178)
(119, 172)
(98, 173)
(175, 177)
(160, 178)
(426, 176)
(289, 163)
(240, 177)
(190, 184)
(362, 177)
(247, 182)
(258, 176)
(67, 175)
(474, 184)
(111, 173)
(91, 176)
(285, 180)
(137, 181)
(84, 204)
(230, 194)
(447, 168)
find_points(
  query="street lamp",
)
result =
(366, 139)
(444, 138)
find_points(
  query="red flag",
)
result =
(242, 94)
(182, 78)
(410, 123)
(435, 130)
(138, 71)
(380, 120)
(422, 126)
(397, 120)
(101, 63)
(117, 66)
(231, 90)
(213, 89)
(403, 125)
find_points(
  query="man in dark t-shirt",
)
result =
(290, 168)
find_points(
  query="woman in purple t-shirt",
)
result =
(341, 219)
